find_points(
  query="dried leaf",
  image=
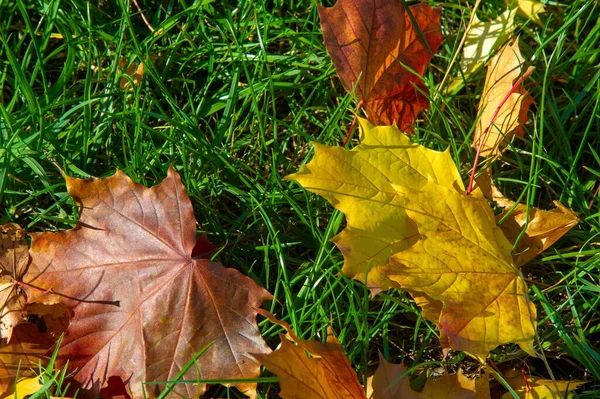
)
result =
(326, 375)
(380, 56)
(483, 37)
(410, 224)
(133, 73)
(132, 246)
(538, 388)
(390, 381)
(26, 387)
(507, 115)
(14, 251)
(543, 229)
(13, 304)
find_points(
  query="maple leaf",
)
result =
(410, 224)
(132, 246)
(14, 258)
(535, 388)
(326, 375)
(505, 114)
(542, 228)
(391, 381)
(380, 55)
(483, 37)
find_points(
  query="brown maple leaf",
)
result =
(380, 55)
(132, 246)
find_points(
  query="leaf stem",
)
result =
(50, 291)
(489, 125)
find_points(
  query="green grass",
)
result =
(232, 99)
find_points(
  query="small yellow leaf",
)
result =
(538, 388)
(483, 37)
(505, 114)
(26, 387)
(410, 225)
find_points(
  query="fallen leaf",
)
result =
(390, 382)
(529, 9)
(142, 306)
(14, 258)
(506, 114)
(22, 356)
(26, 387)
(14, 251)
(380, 55)
(542, 228)
(133, 73)
(410, 224)
(327, 374)
(538, 388)
(483, 37)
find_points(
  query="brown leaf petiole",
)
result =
(50, 291)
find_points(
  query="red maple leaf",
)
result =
(380, 51)
(132, 246)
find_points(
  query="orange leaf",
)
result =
(502, 106)
(380, 55)
(327, 374)
(132, 246)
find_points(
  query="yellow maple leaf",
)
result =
(390, 381)
(539, 388)
(27, 386)
(483, 37)
(410, 225)
(503, 110)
